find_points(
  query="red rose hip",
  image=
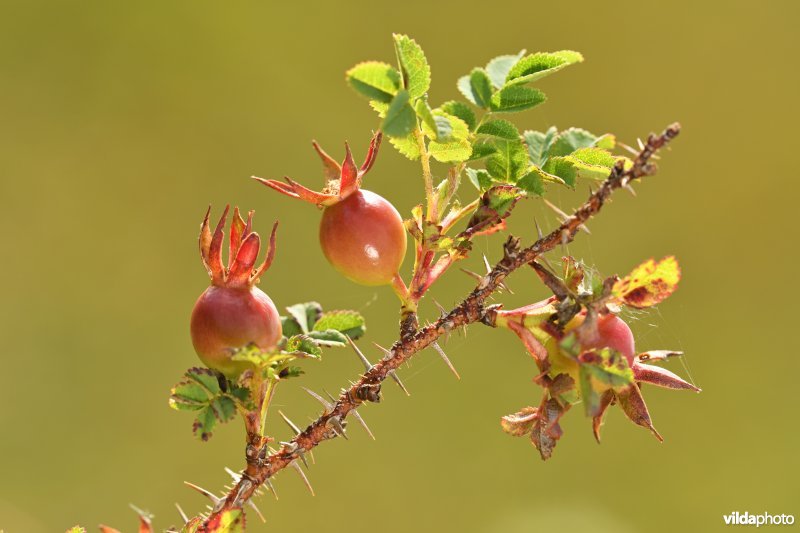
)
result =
(232, 313)
(362, 235)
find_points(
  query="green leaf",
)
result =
(649, 283)
(499, 128)
(400, 118)
(482, 148)
(479, 178)
(200, 391)
(329, 337)
(350, 323)
(460, 110)
(572, 139)
(425, 113)
(495, 205)
(539, 144)
(456, 147)
(414, 66)
(532, 183)
(375, 80)
(584, 163)
(406, 145)
(516, 98)
(536, 66)
(498, 68)
(477, 88)
(305, 315)
(303, 346)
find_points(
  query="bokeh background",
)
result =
(121, 121)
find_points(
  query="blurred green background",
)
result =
(121, 121)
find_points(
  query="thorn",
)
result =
(319, 398)
(640, 143)
(255, 508)
(386, 353)
(441, 308)
(392, 374)
(472, 274)
(207, 493)
(628, 148)
(359, 353)
(628, 187)
(303, 475)
(563, 217)
(183, 515)
(236, 476)
(295, 449)
(268, 483)
(289, 423)
(486, 262)
(538, 229)
(364, 425)
(445, 359)
(337, 426)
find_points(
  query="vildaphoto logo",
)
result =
(765, 519)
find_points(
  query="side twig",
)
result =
(471, 309)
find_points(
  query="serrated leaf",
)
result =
(425, 113)
(456, 147)
(400, 118)
(188, 396)
(495, 205)
(649, 284)
(572, 139)
(477, 88)
(519, 423)
(407, 146)
(414, 65)
(329, 337)
(481, 148)
(584, 163)
(479, 178)
(498, 68)
(516, 98)
(499, 128)
(460, 110)
(536, 66)
(375, 80)
(305, 315)
(303, 346)
(539, 144)
(204, 377)
(350, 323)
(203, 425)
(532, 183)
(509, 158)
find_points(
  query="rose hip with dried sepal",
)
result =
(361, 233)
(233, 313)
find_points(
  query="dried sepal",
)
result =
(341, 180)
(244, 247)
(520, 423)
(633, 405)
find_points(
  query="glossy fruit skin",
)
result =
(613, 333)
(363, 237)
(227, 318)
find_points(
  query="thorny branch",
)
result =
(260, 467)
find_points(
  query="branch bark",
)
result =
(471, 309)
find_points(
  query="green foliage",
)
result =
(200, 391)
(375, 80)
(414, 67)
(477, 88)
(400, 119)
(515, 98)
(460, 110)
(536, 66)
(498, 68)
(350, 323)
